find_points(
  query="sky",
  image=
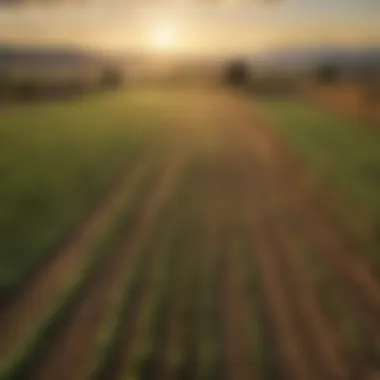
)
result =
(200, 27)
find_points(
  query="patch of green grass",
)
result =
(154, 319)
(56, 160)
(163, 241)
(209, 341)
(338, 306)
(20, 362)
(346, 152)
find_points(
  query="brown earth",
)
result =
(240, 168)
(75, 346)
(36, 298)
(360, 101)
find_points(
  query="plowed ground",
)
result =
(219, 265)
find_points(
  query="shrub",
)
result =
(328, 73)
(111, 77)
(237, 74)
(26, 90)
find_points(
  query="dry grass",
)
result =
(361, 101)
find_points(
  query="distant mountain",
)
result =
(309, 57)
(37, 56)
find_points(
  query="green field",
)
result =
(345, 155)
(155, 234)
(56, 161)
(345, 152)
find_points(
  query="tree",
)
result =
(27, 90)
(328, 73)
(4, 83)
(111, 77)
(237, 74)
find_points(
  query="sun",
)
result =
(163, 38)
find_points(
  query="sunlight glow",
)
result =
(163, 38)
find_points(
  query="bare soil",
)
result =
(33, 302)
(239, 163)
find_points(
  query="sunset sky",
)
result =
(195, 27)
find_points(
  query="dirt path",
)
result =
(238, 348)
(238, 345)
(38, 296)
(172, 352)
(319, 339)
(295, 363)
(238, 167)
(349, 269)
(350, 266)
(326, 348)
(73, 351)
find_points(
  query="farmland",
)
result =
(187, 234)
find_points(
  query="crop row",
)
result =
(22, 359)
(59, 159)
(130, 338)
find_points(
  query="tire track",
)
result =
(210, 355)
(238, 350)
(128, 330)
(351, 268)
(325, 346)
(330, 342)
(351, 271)
(138, 359)
(172, 348)
(78, 229)
(238, 359)
(180, 349)
(73, 350)
(36, 299)
(295, 362)
(162, 321)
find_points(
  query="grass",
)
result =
(162, 243)
(152, 318)
(56, 161)
(345, 151)
(339, 307)
(345, 154)
(330, 291)
(209, 341)
(19, 363)
(56, 168)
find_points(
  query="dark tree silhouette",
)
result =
(5, 82)
(27, 90)
(237, 74)
(328, 73)
(111, 77)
